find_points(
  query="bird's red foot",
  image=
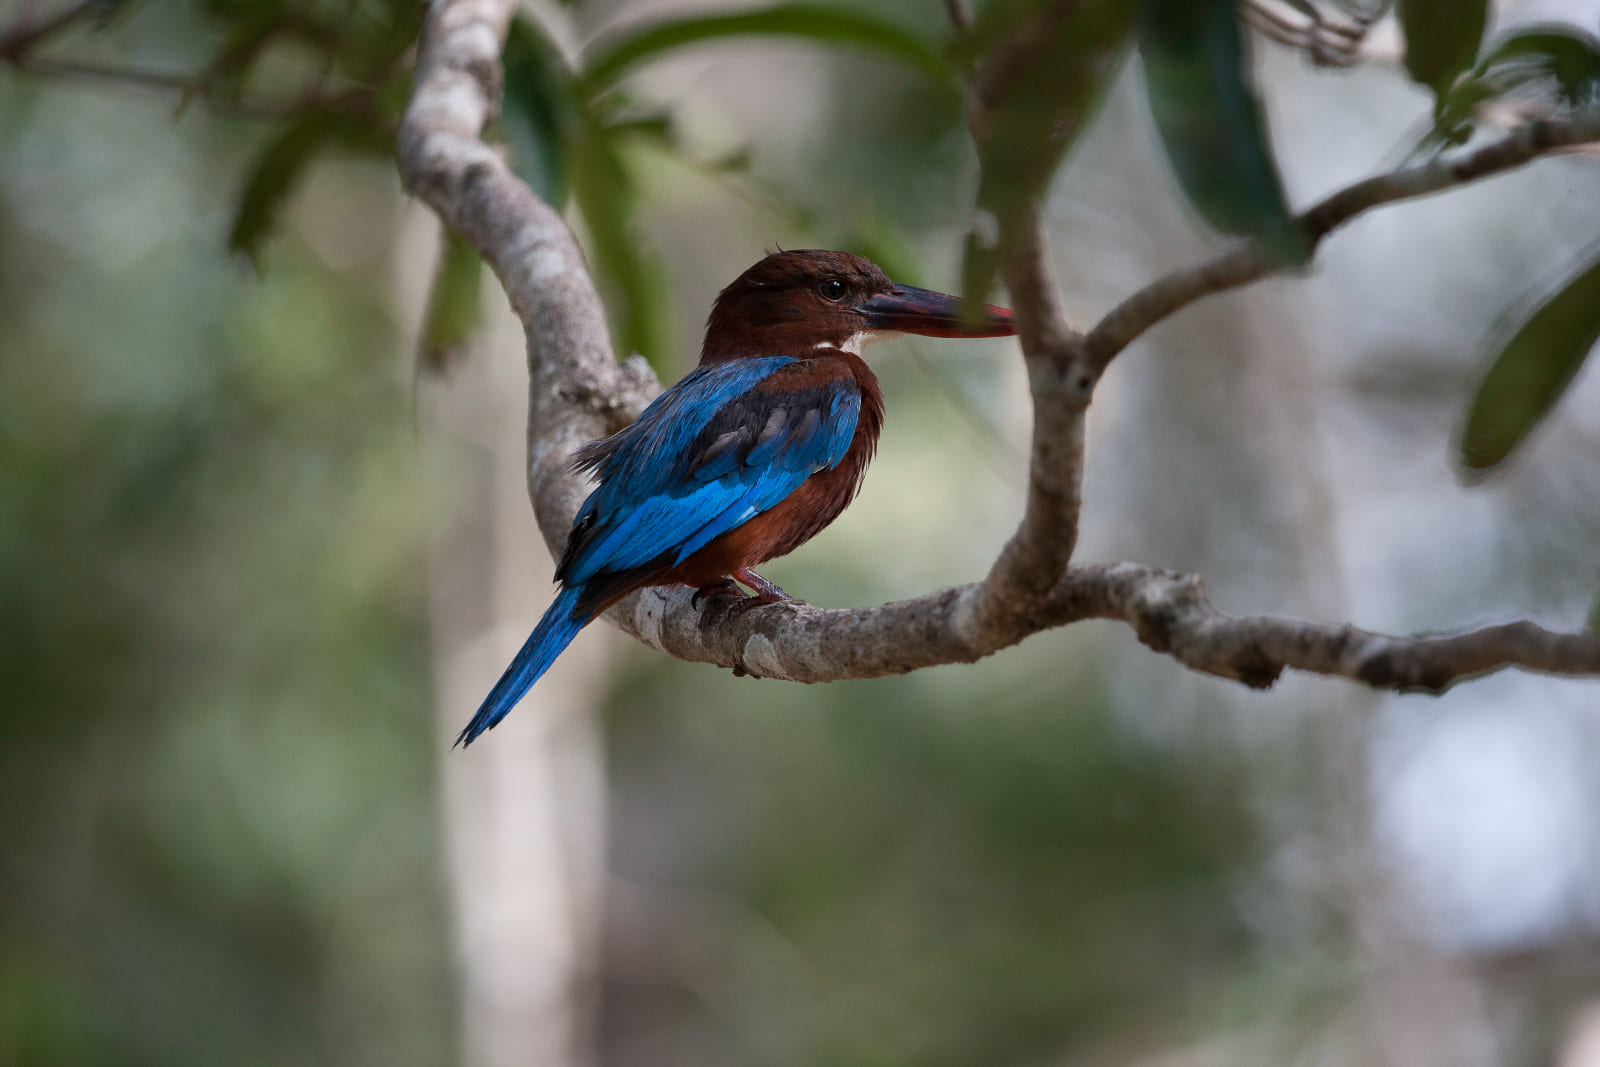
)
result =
(726, 587)
(766, 592)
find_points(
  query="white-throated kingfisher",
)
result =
(745, 459)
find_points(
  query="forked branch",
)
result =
(578, 391)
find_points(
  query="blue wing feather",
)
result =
(666, 491)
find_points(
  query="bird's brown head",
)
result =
(792, 303)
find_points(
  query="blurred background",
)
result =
(264, 544)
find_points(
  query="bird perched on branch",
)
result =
(748, 457)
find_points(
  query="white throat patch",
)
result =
(860, 339)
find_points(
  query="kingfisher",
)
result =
(746, 458)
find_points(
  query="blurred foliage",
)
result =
(540, 114)
(453, 304)
(952, 868)
(281, 165)
(1202, 95)
(1544, 72)
(1442, 39)
(1530, 373)
(216, 755)
(614, 55)
(1040, 70)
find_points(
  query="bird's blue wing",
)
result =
(725, 444)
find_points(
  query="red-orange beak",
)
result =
(911, 310)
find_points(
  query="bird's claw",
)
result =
(726, 587)
(766, 592)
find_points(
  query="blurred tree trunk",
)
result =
(523, 808)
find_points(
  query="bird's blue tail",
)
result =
(554, 633)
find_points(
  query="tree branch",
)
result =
(1248, 261)
(959, 14)
(356, 102)
(1013, 594)
(578, 392)
(1168, 611)
(26, 33)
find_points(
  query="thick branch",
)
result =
(1168, 611)
(577, 392)
(1248, 260)
(1013, 594)
(1010, 599)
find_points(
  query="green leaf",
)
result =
(1442, 39)
(454, 306)
(540, 111)
(1560, 63)
(1568, 57)
(1197, 73)
(1532, 371)
(617, 53)
(979, 265)
(1054, 65)
(281, 164)
(273, 178)
(633, 280)
(1592, 624)
(234, 61)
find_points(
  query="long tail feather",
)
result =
(554, 633)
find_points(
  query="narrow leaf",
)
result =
(1532, 371)
(235, 59)
(1551, 68)
(1197, 73)
(616, 54)
(272, 179)
(1569, 57)
(281, 164)
(1050, 65)
(632, 278)
(539, 110)
(1442, 39)
(454, 305)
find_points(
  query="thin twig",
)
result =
(351, 102)
(1247, 261)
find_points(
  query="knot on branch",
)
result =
(1386, 668)
(1159, 606)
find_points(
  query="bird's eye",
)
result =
(833, 289)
